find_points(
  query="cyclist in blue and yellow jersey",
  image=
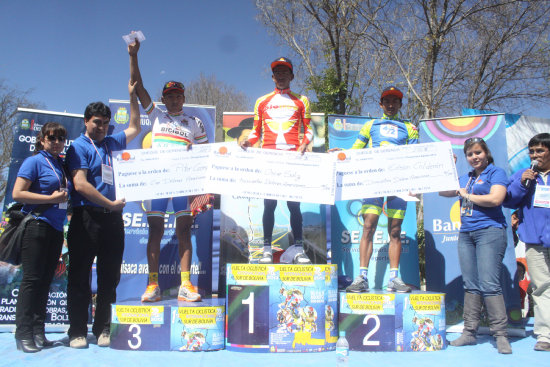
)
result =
(388, 130)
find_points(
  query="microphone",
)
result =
(534, 165)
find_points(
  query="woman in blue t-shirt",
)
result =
(482, 243)
(41, 185)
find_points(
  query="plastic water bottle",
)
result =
(342, 350)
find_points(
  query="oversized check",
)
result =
(271, 174)
(394, 170)
(143, 174)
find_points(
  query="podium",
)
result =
(281, 308)
(168, 325)
(384, 321)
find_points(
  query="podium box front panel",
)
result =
(383, 321)
(281, 308)
(136, 326)
(197, 326)
(168, 325)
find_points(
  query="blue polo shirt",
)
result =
(83, 155)
(45, 173)
(483, 217)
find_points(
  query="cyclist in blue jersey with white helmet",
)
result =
(388, 130)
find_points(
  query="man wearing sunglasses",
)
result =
(388, 130)
(278, 117)
(171, 128)
(96, 228)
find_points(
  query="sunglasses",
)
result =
(473, 140)
(174, 85)
(55, 138)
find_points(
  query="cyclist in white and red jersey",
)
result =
(171, 128)
(278, 117)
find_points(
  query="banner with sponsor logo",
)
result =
(135, 271)
(29, 124)
(347, 224)
(442, 215)
(241, 233)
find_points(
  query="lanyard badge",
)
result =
(542, 197)
(107, 174)
(467, 208)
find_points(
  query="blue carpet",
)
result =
(482, 354)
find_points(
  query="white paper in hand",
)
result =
(129, 38)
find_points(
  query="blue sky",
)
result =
(71, 52)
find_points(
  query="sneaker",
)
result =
(359, 285)
(188, 293)
(267, 258)
(301, 259)
(78, 342)
(104, 340)
(152, 293)
(542, 346)
(397, 285)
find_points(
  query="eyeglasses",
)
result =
(53, 138)
(473, 140)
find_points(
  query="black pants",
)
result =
(39, 258)
(92, 233)
(268, 219)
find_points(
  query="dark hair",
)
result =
(49, 128)
(540, 139)
(472, 141)
(97, 109)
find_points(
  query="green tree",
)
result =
(444, 54)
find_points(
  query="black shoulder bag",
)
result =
(11, 240)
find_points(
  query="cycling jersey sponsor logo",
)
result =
(389, 130)
(176, 131)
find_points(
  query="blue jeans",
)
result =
(480, 254)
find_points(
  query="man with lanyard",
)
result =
(96, 228)
(529, 191)
(171, 128)
(388, 130)
(278, 117)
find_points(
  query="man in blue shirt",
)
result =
(529, 191)
(96, 228)
(389, 130)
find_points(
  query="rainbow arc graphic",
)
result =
(458, 129)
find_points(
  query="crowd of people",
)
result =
(281, 121)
